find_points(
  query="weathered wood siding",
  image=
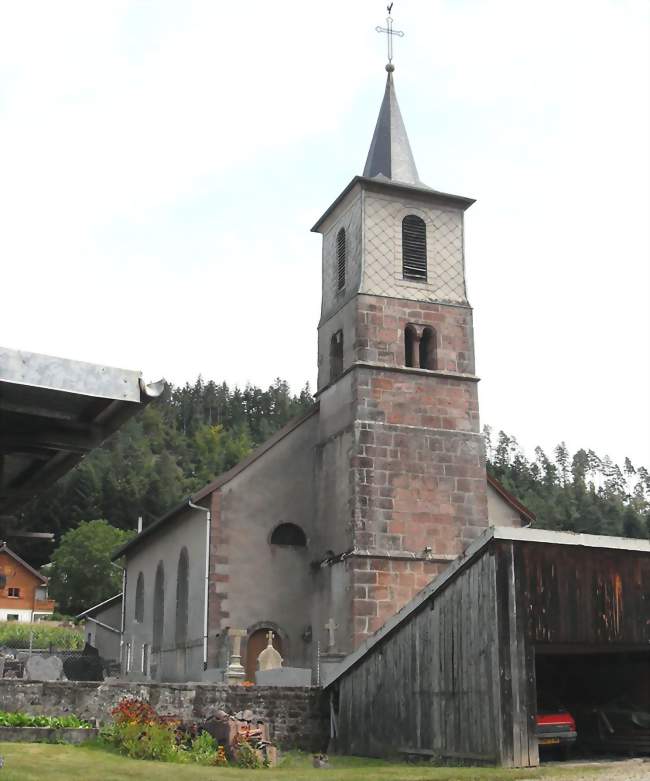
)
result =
(434, 684)
(575, 595)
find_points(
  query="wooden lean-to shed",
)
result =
(524, 617)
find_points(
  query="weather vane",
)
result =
(389, 37)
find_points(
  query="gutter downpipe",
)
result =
(123, 617)
(207, 578)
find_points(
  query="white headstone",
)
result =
(43, 668)
(269, 659)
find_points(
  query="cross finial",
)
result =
(388, 30)
(269, 638)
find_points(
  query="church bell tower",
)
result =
(401, 464)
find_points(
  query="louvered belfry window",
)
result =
(340, 257)
(414, 248)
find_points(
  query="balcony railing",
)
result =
(44, 605)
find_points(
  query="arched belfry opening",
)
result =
(341, 258)
(427, 349)
(336, 355)
(410, 346)
(414, 248)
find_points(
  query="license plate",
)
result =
(549, 741)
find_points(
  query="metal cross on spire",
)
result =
(388, 30)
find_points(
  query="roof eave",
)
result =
(382, 184)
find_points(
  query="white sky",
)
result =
(161, 164)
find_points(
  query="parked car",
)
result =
(555, 727)
(619, 726)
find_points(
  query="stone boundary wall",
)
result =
(297, 717)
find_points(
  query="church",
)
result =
(330, 527)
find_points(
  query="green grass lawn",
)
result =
(46, 762)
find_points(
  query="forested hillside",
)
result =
(195, 432)
(176, 445)
(579, 492)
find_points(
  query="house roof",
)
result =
(512, 534)
(52, 412)
(4, 548)
(101, 606)
(201, 495)
(523, 511)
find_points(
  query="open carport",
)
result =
(525, 618)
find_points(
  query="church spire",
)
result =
(390, 152)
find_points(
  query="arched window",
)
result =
(410, 345)
(158, 607)
(414, 248)
(289, 534)
(336, 355)
(139, 599)
(428, 349)
(182, 597)
(341, 258)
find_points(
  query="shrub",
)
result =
(246, 756)
(54, 722)
(14, 634)
(140, 733)
(147, 741)
(133, 711)
(203, 749)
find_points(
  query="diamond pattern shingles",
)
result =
(350, 219)
(383, 251)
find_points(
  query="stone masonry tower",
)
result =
(401, 466)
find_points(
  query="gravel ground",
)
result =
(617, 770)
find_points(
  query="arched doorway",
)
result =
(257, 642)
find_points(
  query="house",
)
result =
(102, 627)
(331, 526)
(23, 590)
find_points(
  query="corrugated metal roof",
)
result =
(52, 412)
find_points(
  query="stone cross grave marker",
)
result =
(269, 659)
(331, 628)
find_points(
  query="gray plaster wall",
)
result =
(172, 663)
(105, 641)
(500, 513)
(271, 585)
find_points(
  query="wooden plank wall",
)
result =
(584, 596)
(434, 685)
(518, 695)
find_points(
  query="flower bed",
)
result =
(140, 733)
(25, 728)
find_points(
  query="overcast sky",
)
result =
(161, 164)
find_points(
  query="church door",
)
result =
(257, 642)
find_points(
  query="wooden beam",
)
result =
(68, 439)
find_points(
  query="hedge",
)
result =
(14, 634)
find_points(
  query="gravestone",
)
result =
(269, 659)
(43, 668)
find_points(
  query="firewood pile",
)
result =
(242, 728)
